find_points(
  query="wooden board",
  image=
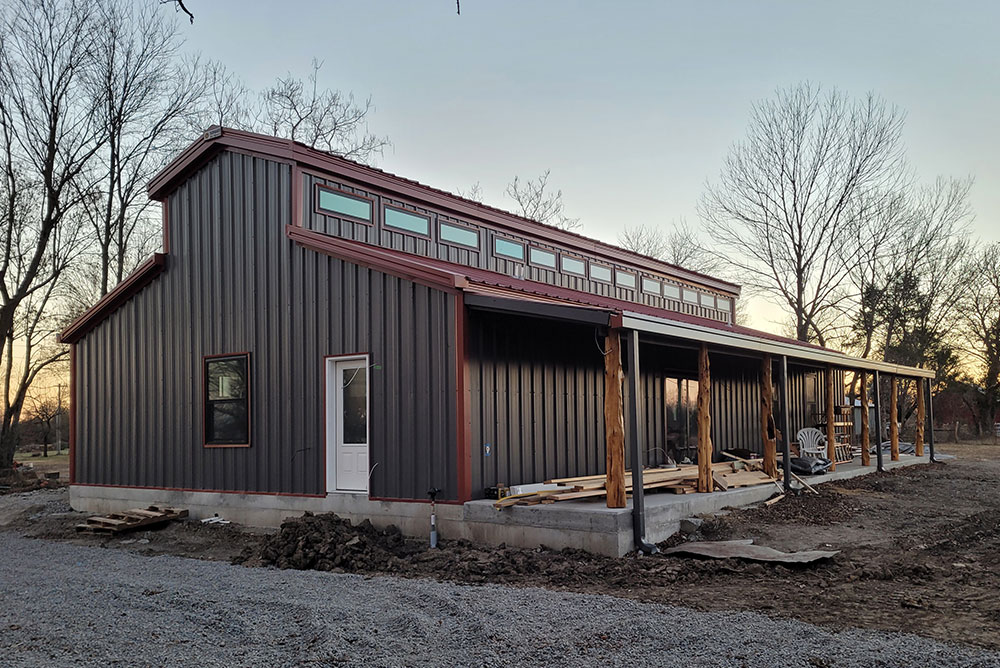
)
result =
(131, 519)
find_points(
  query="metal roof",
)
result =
(216, 139)
(487, 289)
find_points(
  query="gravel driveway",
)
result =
(63, 605)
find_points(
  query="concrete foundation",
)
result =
(586, 525)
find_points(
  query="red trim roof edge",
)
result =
(217, 138)
(109, 303)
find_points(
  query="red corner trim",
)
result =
(112, 301)
(72, 413)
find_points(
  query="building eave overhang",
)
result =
(111, 302)
(692, 332)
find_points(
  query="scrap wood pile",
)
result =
(677, 479)
(131, 519)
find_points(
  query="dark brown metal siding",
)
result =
(537, 399)
(235, 283)
(483, 257)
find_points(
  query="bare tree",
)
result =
(536, 201)
(474, 193)
(980, 331)
(146, 93)
(679, 245)
(45, 412)
(299, 109)
(791, 193)
(48, 135)
(645, 239)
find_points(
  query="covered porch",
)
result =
(674, 390)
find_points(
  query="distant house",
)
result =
(321, 335)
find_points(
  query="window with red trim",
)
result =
(227, 400)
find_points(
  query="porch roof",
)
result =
(494, 291)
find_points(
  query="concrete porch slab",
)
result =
(591, 526)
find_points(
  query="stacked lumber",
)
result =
(131, 519)
(676, 480)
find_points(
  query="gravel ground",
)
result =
(63, 604)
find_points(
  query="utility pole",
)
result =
(58, 418)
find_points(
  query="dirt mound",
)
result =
(24, 479)
(327, 542)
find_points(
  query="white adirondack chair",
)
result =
(812, 442)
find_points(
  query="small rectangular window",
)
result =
(708, 300)
(227, 400)
(650, 286)
(508, 248)
(574, 266)
(722, 303)
(407, 221)
(542, 258)
(600, 273)
(342, 204)
(671, 291)
(690, 296)
(625, 280)
(463, 236)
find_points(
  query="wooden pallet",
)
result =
(131, 519)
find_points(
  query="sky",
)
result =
(632, 105)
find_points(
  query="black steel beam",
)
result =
(635, 446)
(538, 309)
(930, 418)
(786, 425)
(878, 422)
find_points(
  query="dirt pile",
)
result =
(23, 479)
(327, 542)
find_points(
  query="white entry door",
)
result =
(347, 425)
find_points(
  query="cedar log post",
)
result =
(918, 441)
(866, 455)
(767, 434)
(705, 482)
(614, 420)
(831, 432)
(894, 417)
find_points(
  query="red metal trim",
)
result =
(463, 428)
(166, 227)
(556, 255)
(217, 139)
(204, 400)
(478, 248)
(507, 258)
(72, 413)
(346, 193)
(374, 257)
(611, 272)
(110, 302)
(398, 230)
(586, 265)
(196, 489)
(298, 217)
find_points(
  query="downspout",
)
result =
(930, 416)
(786, 427)
(635, 448)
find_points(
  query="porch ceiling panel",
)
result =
(733, 339)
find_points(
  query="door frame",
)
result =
(330, 425)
